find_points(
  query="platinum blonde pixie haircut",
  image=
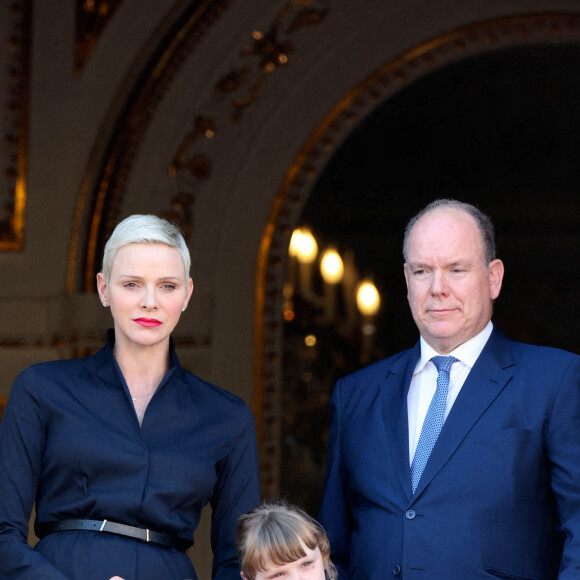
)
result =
(144, 229)
(273, 533)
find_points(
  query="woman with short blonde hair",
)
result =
(120, 451)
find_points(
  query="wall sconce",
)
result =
(340, 278)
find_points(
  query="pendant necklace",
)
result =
(143, 396)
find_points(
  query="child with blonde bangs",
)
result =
(277, 539)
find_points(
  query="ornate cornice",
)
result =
(394, 75)
(15, 34)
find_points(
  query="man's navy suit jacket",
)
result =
(500, 495)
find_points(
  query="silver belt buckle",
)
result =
(147, 530)
(103, 525)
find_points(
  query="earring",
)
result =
(105, 303)
(183, 309)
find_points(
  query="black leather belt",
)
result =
(166, 540)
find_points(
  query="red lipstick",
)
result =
(148, 322)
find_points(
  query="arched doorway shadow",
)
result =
(499, 130)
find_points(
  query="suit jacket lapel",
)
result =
(394, 399)
(490, 374)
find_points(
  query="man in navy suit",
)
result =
(497, 493)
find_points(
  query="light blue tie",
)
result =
(433, 420)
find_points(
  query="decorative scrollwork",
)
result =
(198, 166)
(91, 18)
(269, 51)
(181, 212)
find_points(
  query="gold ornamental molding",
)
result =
(15, 36)
(475, 39)
(267, 51)
(91, 18)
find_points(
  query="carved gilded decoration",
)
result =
(181, 212)
(266, 52)
(475, 39)
(91, 18)
(15, 36)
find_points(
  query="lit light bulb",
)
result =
(303, 246)
(368, 299)
(331, 267)
(295, 242)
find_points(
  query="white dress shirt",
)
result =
(424, 381)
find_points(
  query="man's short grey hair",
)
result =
(482, 221)
(144, 229)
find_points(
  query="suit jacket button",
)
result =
(410, 514)
(396, 570)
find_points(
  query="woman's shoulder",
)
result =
(56, 371)
(212, 395)
(57, 366)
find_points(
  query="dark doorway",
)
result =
(501, 131)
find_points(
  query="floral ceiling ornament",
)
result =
(269, 51)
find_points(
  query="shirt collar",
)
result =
(467, 353)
